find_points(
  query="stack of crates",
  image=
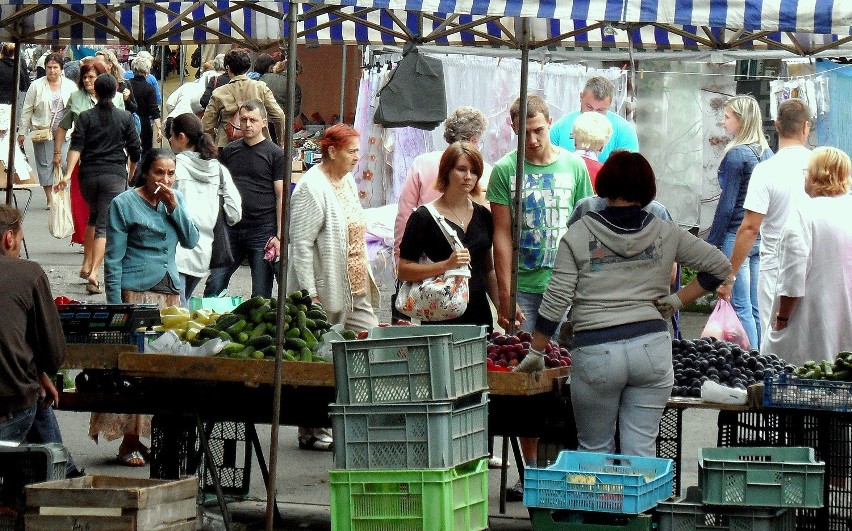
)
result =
(755, 488)
(411, 430)
(24, 465)
(589, 491)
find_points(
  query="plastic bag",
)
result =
(725, 325)
(60, 223)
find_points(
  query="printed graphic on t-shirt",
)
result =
(548, 201)
(602, 257)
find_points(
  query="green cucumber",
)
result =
(305, 354)
(310, 339)
(301, 319)
(317, 314)
(232, 348)
(249, 305)
(227, 320)
(258, 331)
(261, 342)
(258, 313)
(295, 343)
(237, 327)
(294, 332)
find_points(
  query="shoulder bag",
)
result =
(437, 298)
(43, 135)
(221, 255)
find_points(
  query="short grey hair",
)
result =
(591, 131)
(145, 53)
(600, 87)
(141, 66)
(463, 124)
(219, 63)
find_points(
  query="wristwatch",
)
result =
(729, 281)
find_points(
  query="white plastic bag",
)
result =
(60, 223)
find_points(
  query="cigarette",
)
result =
(158, 188)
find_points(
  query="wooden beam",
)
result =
(570, 34)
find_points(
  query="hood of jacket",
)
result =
(624, 239)
(205, 171)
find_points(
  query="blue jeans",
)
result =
(15, 426)
(624, 383)
(246, 243)
(529, 303)
(189, 283)
(45, 429)
(744, 295)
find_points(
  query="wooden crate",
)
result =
(106, 503)
(208, 368)
(524, 384)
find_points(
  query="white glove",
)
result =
(667, 306)
(533, 362)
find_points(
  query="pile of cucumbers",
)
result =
(251, 328)
(840, 370)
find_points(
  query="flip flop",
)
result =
(93, 287)
(132, 459)
(317, 445)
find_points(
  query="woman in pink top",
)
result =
(465, 124)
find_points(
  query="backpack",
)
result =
(232, 129)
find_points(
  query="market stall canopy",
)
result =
(798, 27)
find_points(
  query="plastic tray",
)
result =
(549, 520)
(790, 391)
(417, 435)
(391, 500)
(23, 465)
(217, 304)
(89, 318)
(610, 483)
(690, 514)
(761, 477)
(410, 364)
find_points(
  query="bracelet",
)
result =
(729, 281)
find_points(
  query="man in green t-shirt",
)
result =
(554, 181)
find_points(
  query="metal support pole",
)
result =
(12, 133)
(287, 144)
(517, 201)
(342, 84)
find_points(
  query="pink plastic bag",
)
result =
(725, 325)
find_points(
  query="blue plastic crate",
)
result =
(610, 483)
(789, 391)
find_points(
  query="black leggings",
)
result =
(98, 191)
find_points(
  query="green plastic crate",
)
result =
(451, 499)
(437, 434)
(761, 477)
(556, 520)
(689, 514)
(411, 364)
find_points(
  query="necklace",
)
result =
(453, 212)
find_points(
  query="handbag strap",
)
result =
(449, 233)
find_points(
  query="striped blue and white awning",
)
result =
(802, 27)
(808, 16)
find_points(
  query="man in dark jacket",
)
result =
(32, 344)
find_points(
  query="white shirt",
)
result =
(775, 185)
(815, 264)
(185, 99)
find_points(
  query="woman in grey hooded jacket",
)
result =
(614, 267)
(198, 175)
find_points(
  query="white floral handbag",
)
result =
(439, 298)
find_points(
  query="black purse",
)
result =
(221, 255)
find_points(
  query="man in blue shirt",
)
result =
(596, 97)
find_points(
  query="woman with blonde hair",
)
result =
(592, 130)
(812, 307)
(748, 146)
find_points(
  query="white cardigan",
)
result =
(36, 113)
(319, 239)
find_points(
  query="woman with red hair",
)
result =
(328, 250)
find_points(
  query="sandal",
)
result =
(132, 459)
(93, 287)
(326, 444)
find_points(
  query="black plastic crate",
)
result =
(176, 451)
(669, 444)
(20, 466)
(828, 433)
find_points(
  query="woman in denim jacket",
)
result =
(748, 147)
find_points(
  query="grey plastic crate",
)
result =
(690, 514)
(23, 465)
(440, 434)
(410, 364)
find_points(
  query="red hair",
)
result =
(85, 66)
(337, 136)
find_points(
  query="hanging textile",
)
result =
(414, 96)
